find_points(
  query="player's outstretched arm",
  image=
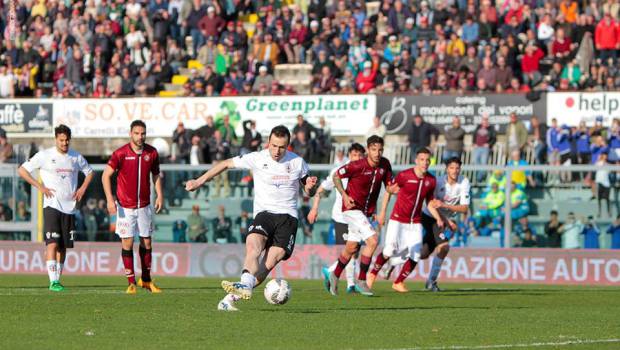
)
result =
(106, 180)
(192, 185)
(159, 192)
(80, 191)
(316, 200)
(24, 174)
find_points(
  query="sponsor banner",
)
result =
(572, 107)
(91, 259)
(345, 114)
(543, 266)
(21, 117)
(397, 111)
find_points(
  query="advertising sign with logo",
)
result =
(570, 108)
(397, 111)
(21, 117)
(344, 114)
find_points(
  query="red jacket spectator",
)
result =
(531, 60)
(299, 33)
(607, 34)
(211, 25)
(562, 47)
(365, 80)
(229, 90)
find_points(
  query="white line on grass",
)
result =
(508, 346)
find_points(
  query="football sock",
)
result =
(364, 265)
(59, 267)
(342, 263)
(379, 262)
(350, 272)
(51, 270)
(248, 279)
(231, 298)
(127, 256)
(435, 269)
(332, 268)
(406, 270)
(145, 262)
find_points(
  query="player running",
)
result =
(359, 201)
(403, 237)
(277, 177)
(58, 167)
(134, 162)
(451, 198)
(355, 152)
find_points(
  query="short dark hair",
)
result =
(374, 139)
(280, 131)
(554, 212)
(62, 129)
(422, 150)
(451, 160)
(137, 122)
(356, 147)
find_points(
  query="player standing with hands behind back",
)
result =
(58, 167)
(134, 162)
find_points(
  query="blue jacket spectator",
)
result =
(583, 142)
(596, 151)
(591, 234)
(614, 231)
(564, 140)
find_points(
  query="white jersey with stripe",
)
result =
(328, 185)
(456, 194)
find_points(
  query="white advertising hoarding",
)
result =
(572, 107)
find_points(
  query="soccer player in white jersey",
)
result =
(452, 197)
(58, 168)
(356, 151)
(277, 177)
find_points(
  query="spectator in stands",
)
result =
(207, 130)
(6, 149)
(553, 228)
(197, 228)
(591, 234)
(454, 140)
(420, 134)
(322, 142)
(144, 84)
(538, 132)
(581, 138)
(220, 150)
(484, 139)
(607, 38)
(7, 83)
(519, 177)
(5, 213)
(228, 131)
(613, 137)
(571, 232)
(243, 222)
(222, 227)
(365, 80)
(377, 128)
(516, 133)
(519, 203)
(530, 64)
(179, 230)
(103, 221)
(302, 146)
(251, 137)
(89, 213)
(304, 126)
(263, 78)
(603, 184)
(22, 212)
(529, 240)
(614, 231)
(181, 141)
(491, 207)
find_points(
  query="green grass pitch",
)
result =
(94, 313)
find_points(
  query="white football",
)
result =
(277, 291)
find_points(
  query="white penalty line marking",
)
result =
(508, 346)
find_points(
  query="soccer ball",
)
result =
(277, 291)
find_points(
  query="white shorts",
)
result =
(360, 228)
(402, 241)
(130, 222)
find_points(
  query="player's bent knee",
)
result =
(372, 242)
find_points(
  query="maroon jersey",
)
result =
(411, 196)
(364, 183)
(134, 173)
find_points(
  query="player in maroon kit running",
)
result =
(134, 162)
(359, 201)
(404, 231)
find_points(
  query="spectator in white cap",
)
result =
(365, 81)
(263, 78)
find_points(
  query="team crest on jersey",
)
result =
(381, 171)
(426, 183)
(147, 158)
(288, 167)
(265, 166)
(342, 171)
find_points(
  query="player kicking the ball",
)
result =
(134, 164)
(277, 177)
(359, 201)
(58, 167)
(403, 237)
(356, 152)
(451, 199)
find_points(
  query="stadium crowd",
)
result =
(100, 48)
